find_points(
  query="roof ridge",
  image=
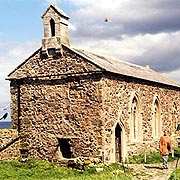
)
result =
(115, 59)
(109, 64)
(116, 66)
(57, 9)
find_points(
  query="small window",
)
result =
(134, 113)
(52, 25)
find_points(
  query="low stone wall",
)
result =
(12, 152)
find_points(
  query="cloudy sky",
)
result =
(138, 31)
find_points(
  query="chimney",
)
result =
(55, 23)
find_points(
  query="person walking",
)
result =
(165, 147)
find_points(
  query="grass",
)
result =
(151, 158)
(175, 175)
(35, 169)
(155, 157)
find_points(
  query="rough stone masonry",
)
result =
(68, 103)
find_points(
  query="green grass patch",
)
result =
(151, 158)
(35, 169)
(176, 151)
(175, 175)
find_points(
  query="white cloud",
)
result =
(5, 92)
(72, 27)
(131, 17)
(11, 55)
(101, 3)
(52, 1)
(174, 75)
(160, 51)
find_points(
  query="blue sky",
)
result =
(18, 17)
(21, 19)
(20, 23)
(141, 32)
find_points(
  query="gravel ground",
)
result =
(152, 171)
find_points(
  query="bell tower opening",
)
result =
(52, 25)
(55, 23)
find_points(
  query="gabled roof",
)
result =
(114, 66)
(57, 10)
(124, 68)
(24, 62)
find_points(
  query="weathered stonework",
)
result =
(86, 109)
(55, 29)
(12, 152)
(68, 105)
(116, 105)
(57, 109)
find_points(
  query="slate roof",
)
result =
(124, 68)
(115, 66)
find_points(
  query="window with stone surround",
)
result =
(174, 121)
(156, 124)
(135, 122)
(52, 25)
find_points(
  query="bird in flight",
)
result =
(107, 20)
(4, 116)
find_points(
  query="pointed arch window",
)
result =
(174, 118)
(52, 25)
(156, 118)
(135, 124)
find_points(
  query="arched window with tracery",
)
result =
(135, 125)
(52, 26)
(156, 129)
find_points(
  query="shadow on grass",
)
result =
(153, 167)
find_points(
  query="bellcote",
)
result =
(55, 23)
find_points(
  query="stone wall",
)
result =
(85, 110)
(56, 105)
(69, 100)
(12, 152)
(14, 104)
(69, 63)
(117, 94)
(55, 109)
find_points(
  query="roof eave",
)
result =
(22, 64)
(57, 11)
(145, 80)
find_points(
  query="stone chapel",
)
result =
(68, 103)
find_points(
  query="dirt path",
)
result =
(152, 171)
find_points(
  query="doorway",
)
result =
(65, 147)
(118, 143)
